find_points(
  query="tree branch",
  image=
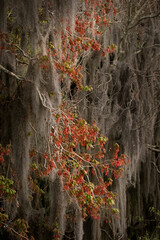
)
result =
(106, 233)
(135, 24)
(140, 10)
(21, 50)
(142, 18)
(11, 73)
(21, 61)
(154, 148)
(156, 167)
(14, 231)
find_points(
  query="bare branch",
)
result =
(156, 167)
(152, 46)
(22, 62)
(154, 148)
(24, 54)
(135, 24)
(11, 73)
(14, 231)
(44, 100)
(140, 10)
(51, 12)
(106, 233)
(120, 237)
(142, 18)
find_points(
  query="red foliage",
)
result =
(4, 151)
(73, 167)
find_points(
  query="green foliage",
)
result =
(3, 218)
(42, 16)
(5, 187)
(87, 88)
(15, 36)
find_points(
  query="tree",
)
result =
(72, 61)
(58, 178)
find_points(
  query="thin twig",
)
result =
(43, 100)
(11, 73)
(156, 167)
(142, 18)
(24, 54)
(10, 228)
(140, 10)
(51, 12)
(22, 62)
(153, 148)
(121, 237)
(103, 230)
